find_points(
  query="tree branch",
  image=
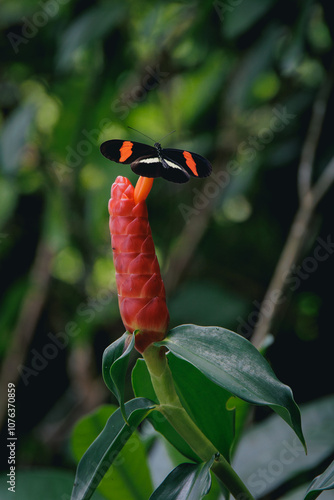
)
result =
(309, 198)
(312, 139)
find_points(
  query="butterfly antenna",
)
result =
(160, 140)
(142, 133)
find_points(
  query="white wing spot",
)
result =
(169, 163)
(150, 160)
(173, 165)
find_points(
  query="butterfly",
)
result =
(175, 165)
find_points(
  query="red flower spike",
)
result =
(141, 292)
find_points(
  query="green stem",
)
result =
(171, 407)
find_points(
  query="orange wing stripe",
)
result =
(190, 162)
(125, 151)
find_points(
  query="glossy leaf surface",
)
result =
(205, 402)
(233, 363)
(129, 477)
(284, 456)
(103, 451)
(114, 365)
(321, 483)
(187, 481)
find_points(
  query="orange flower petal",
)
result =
(142, 189)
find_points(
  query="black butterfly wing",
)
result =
(195, 165)
(125, 151)
(174, 165)
(153, 166)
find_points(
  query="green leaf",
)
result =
(300, 492)
(238, 19)
(321, 483)
(258, 59)
(130, 476)
(93, 24)
(241, 410)
(34, 483)
(14, 136)
(293, 46)
(103, 451)
(205, 402)
(284, 456)
(233, 363)
(142, 387)
(187, 481)
(241, 407)
(9, 196)
(114, 365)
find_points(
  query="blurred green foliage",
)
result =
(237, 81)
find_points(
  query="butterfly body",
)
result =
(175, 165)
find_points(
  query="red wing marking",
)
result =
(190, 162)
(125, 151)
